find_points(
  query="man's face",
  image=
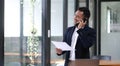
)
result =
(78, 16)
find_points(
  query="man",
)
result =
(80, 37)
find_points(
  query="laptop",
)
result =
(84, 62)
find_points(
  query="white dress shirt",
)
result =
(73, 44)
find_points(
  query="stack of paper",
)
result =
(62, 45)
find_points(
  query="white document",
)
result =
(62, 45)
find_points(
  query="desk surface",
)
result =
(101, 63)
(113, 62)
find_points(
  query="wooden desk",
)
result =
(109, 63)
(101, 62)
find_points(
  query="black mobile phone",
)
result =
(84, 19)
(76, 24)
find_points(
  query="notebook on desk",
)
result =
(84, 62)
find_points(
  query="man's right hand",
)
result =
(59, 51)
(81, 24)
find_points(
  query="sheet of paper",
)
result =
(62, 45)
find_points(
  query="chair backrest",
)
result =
(84, 62)
(102, 57)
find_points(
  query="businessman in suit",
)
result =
(80, 37)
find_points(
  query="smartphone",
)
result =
(84, 19)
(76, 24)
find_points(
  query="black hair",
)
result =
(85, 11)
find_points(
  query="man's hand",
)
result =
(81, 24)
(59, 51)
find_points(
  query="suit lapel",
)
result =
(71, 33)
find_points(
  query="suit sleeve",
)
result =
(87, 37)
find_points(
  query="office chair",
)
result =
(102, 57)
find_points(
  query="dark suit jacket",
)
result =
(86, 39)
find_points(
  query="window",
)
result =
(22, 33)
